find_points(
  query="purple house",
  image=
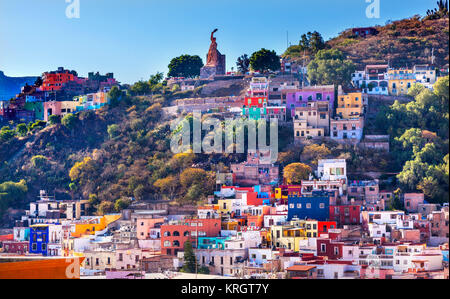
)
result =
(310, 94)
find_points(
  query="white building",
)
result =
(425, 75)
(332, 170)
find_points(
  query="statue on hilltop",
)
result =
(215, 62)
(213, 57)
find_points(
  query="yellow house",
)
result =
(225, 206)
(310, 227)
(287, 236)
(68, 107)
(350, 105)
(93, 224)
(400, 81)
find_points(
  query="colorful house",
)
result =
(311, 121)
(174, 235)
(53, 81)
(89, 225)
(315, 206)
(350, 105)
(310, 94)
(61, 108)
(400, 81)
(347, 130)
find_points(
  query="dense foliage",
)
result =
(330, 67)
(265, 60)
(420, 135)
(185, 66)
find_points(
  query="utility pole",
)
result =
(196, 248)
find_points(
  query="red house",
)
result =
(330, 248)
(346, 214)
(53, 81)
(173, 236)
(324, 226)
(363, 32)
(15, 247)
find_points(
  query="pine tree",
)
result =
(190, 261)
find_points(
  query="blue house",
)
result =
(315, 206)
(212, 242)
(39, 239)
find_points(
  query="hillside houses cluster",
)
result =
(326, 227)
(60, 92)
(254, 225)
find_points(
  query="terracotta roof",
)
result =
(300, 268)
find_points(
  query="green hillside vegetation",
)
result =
(401, 43)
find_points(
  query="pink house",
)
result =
(309, 94)
(145, 226)
(131, 259)
(412, 201)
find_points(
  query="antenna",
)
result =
(287, 39)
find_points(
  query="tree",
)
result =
(22, 129)
(54, 119)
(412, 174)
(6, 134)
(190, 260)
(12, 195)
(185, 66)
(312, 42)
(121, 204)
(167, 185)
(83, 170)
(140, 88)
(115, 95)
(105, 207)
(296, 172)
(69, 121)
(265, 60)
(314, 152)
(113, 131)
(156, 79)
(415, 89)
(441, 89)
(243, 64)
(191, 176)
(39, 161)
(330, 67)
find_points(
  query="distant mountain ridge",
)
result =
(10, 86)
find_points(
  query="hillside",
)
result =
(10, 86)
(401, 43)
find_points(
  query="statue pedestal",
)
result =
(208, 72)
(211, 71)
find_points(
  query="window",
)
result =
(308, 206)
(323, 247)
(299, 206)
(336, 250)
(322, 206)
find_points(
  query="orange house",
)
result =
(54, 81)
(40, 268)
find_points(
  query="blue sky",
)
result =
(137, 38)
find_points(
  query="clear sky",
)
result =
(137, 38)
